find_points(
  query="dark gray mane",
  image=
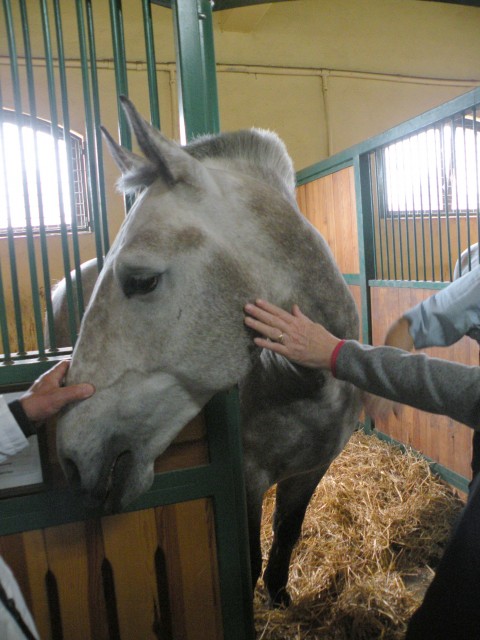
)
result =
(256, 152)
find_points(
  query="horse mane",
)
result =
(256, 152)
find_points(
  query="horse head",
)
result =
(164, 331)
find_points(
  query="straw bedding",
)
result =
(373, 533)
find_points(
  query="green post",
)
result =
(196, 76)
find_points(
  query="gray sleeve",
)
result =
(448, 315)
(430, 384)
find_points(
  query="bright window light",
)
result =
(437, 170)
(34, 180)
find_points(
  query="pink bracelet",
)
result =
(334, 356)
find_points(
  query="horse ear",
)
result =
(124, 159)
(137, 172)
(172, 163)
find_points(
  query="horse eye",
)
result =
(140, 285)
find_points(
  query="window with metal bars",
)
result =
(436, 170)
(42, 177)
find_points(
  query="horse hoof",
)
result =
(280, 600)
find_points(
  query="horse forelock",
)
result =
(256, 152)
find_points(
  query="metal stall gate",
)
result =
(411, 197)
(176, 565)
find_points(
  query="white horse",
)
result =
(215, 224)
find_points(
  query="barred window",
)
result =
(40, 189)
(436, 170)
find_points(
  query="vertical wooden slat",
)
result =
(132, 557)
(36, 570)
(67, 560)
(196, 566)
(329, 204)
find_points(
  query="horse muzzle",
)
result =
(108, 492)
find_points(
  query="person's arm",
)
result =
(21, 418)
(447, 316)
(430, 384)
(47, 396)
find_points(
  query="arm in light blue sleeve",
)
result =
(447, 316)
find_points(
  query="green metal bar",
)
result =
(60, 506)
(364, 200)
(223, 418)
(383, 204)
(197, 83)
(422, 219)
(17, 310)
(121, 81)
(467, 203)
(91, 150)
(151, 63)
(439, 194)
(6, 356)
(68, 145)
(381, 213)
(118, 42)
(430, 212)
(409, 284)
(365, 225)
(33, 113)
(477, 169)
(457, 207)
(12, 48)
(26, 369)
(98, 137)
(55, 133)
(447, 205)
(351, 278)
(409, 266)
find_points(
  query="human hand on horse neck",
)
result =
(292, 335)
(46, 396)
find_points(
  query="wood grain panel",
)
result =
(329, 204)
(145, 574)
(440, 438)
(133, 536)
(66, 553)
(36, 570)
(196, 562)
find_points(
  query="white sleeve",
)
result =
(9, 629)
(12, 439)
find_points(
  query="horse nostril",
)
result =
(72, 473)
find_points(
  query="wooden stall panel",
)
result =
(130, 541)
(329, 204)
(147, 574)
(440, 438)
(186, 532)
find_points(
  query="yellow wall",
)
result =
(324, 74)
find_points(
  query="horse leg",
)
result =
(292, 498)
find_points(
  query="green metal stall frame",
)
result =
(221, 479)
(358, 158)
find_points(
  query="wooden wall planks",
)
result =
(144, 574)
